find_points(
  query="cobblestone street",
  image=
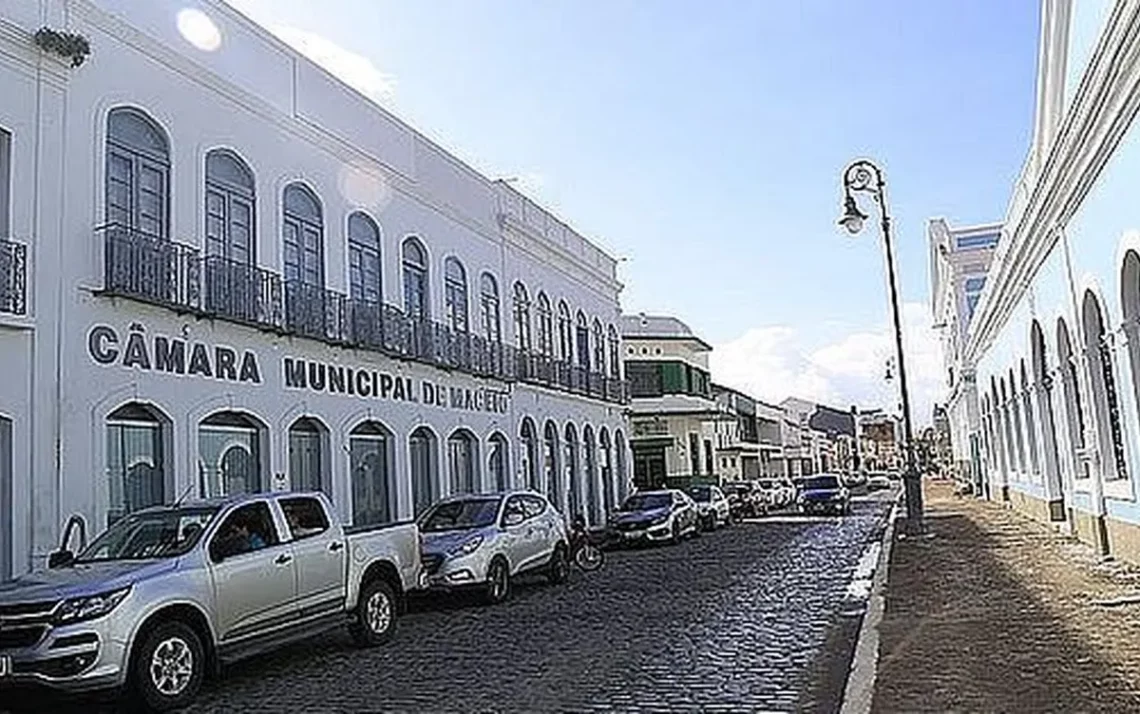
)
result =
(747, 618)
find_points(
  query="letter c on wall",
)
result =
(100, 343)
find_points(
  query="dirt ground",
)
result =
(996, 612)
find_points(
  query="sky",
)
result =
(703, 144)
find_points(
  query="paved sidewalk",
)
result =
(997, 613)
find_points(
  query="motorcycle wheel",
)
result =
(589, 557)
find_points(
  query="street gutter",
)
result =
(860, 689)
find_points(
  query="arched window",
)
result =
(565, 333)
(1007, 419)
(590, 459)
(424, 459)
(545, 326)
(599, 347)
(522, 317)
(1105, 398)
(529, 439)
(573, 477)
(1074, 406)
(1130, 300)
(1044, 385)
(307, 460)
(137, 173)
(489, 298)
(136, 464)
(455, 292)
(303, 237)
(1018, 427)
(229, 208)
(497, 462)
(1030, 422)
(583, 339)
(416, 303)
(463, 462)
(615, 353)
(364, 271)
(371, 474)
(999, 437)
(550, 465)
(229, 455)
(620, 468)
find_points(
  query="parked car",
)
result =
(823, 493)
(878, 481)
(788, 492)
(745, 499)
(169, 594)
(712, 506)
(778, 493)
(656, 516)
(484, 541)
(855, 480)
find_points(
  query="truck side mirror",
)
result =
(60, 559)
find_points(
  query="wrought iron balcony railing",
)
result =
(159, 271)
(13, 277)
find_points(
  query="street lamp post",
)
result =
(862, 176)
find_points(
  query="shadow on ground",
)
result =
(961, 633)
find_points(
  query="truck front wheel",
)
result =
(169, 667)
(375, 614)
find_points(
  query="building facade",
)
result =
(673, 413)
(960, 259)
(737, 444)
(1055, 338)
(225, 271)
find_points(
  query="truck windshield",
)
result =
(461, 515)
(150, 534)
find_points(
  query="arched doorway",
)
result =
(370, 474)
(620, 463)
(135, 459)
(590, 459)
(463, 462)
(423, 457)
(573, 477)
(497, 462)
(606, 457)
(307, 459)
(529, 442)
(229, 454)
(554, 490)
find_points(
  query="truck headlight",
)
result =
(89, 607)
(469, 546)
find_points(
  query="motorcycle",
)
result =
(583, 552)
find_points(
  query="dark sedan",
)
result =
(655, 516)
(824, 493)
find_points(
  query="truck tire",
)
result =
(376, 609)
(168, 667)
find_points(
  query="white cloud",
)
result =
(354, 69)
(776, 362)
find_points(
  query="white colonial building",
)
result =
(959, 261)
(223, 270)
(1055, 338)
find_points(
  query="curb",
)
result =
(860, 689)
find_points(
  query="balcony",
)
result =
(173, 275)
(13, 277)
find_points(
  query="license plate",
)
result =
(5, 666)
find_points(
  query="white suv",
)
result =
(482, 541)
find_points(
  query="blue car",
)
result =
(823, 493)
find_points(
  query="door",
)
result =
(6, 507)
(540, 529)
(518, 534)
(319, 550)
(253, 574)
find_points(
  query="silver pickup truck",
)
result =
(167, 595)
